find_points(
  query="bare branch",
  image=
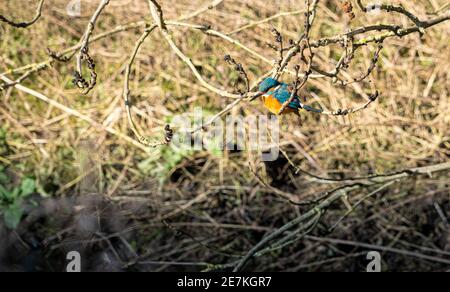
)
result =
(25, 24)
(83, 55)
(333, 197)
(126, 96)
(389, 8)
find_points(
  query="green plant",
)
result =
(11, 199)
(163, 161)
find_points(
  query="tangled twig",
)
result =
(84, 57)
(316, 212)
(240, 69)
(348, 40)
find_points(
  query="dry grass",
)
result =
(215, 201)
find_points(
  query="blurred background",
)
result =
(68, 184)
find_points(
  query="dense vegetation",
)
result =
(82, 169)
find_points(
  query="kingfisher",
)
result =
(275, 94)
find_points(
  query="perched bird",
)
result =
(275, 93)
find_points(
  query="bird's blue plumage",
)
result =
(282, 93)
(268, 84)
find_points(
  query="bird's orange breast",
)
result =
(274, 105)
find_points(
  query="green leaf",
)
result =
(27, 187)
(14, 194)
(8, 195)
(3, 178)
(3, 192)
(12, 216)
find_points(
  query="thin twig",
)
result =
(25, 24)
(126, 96)
(323, 205)
(83, 55)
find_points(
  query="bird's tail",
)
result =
(310, 109)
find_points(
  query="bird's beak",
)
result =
(258, 94)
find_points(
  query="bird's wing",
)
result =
(283, 94)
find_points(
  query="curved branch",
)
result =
(83, 55)
(25, 24)
(389, 8)
(158, 17)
